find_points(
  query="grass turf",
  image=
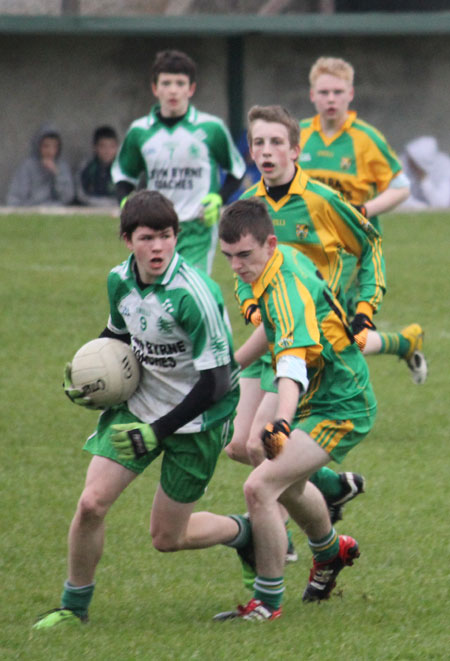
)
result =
(390, 605)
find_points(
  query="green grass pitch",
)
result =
(391, 605)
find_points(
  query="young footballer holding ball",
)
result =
(173, 316)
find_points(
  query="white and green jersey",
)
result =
(178, 327)
(182, 161)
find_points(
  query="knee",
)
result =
(256, 494)
(236, 451)
(164, 542)
(90, 507)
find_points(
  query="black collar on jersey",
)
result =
(277, 192)
(169, 121)
(139, 282)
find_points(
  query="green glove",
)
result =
(123, 202)
(133, 440)
(74, 394)
(212, 203)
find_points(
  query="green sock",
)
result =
(77, 598)
(328, 482)
(326, 548)
(244, 535)
(394, 343)
(269, 591)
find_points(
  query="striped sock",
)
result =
(326, 548)
(269, 591)
(394, 343)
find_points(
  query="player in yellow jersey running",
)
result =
(354, 158)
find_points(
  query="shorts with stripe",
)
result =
(337, 437)
(188, 461)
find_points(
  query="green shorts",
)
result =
(262, 369)
(197, 244)
(188, 462)
(337, 437)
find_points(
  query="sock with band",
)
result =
(269, 590)
(244, 535)
(77, 598)
(326, 548)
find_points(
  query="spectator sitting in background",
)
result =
(428, 171)
(44, 178)
(95, 187)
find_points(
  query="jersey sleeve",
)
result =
(201, 316)
(116, 323)
(244, 295)
(380, 163)
(129, 163)
(361, 239)
(290, 319)
(224, 151)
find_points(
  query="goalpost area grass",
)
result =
(392, 604)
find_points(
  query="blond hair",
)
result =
(275, 114)
(333, 66)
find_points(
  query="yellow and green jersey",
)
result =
(356, 161)
(302, 319)
(316, 220)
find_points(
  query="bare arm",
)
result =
(288, 396)
(386, 201)
(253, 348)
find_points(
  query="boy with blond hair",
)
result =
(354, 158)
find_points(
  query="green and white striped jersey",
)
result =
(178, 327)
(182, 161)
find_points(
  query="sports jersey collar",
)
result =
(351, 117)
(190, 116)
(272, 266)
(297, 186)
(163, 279)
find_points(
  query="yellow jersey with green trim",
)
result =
(317, 221)
(299, 313)
(356, 161)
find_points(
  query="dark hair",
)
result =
(173, 61)
(246, 217)
(147, 209)
(275, 114)
(103, 132)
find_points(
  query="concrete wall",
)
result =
(402, 84)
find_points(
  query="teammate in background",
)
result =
(354, 158)
(315, 220)
(44, 178)
(181, 151)
(183, 407)
(324, 407)
(94, 183)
